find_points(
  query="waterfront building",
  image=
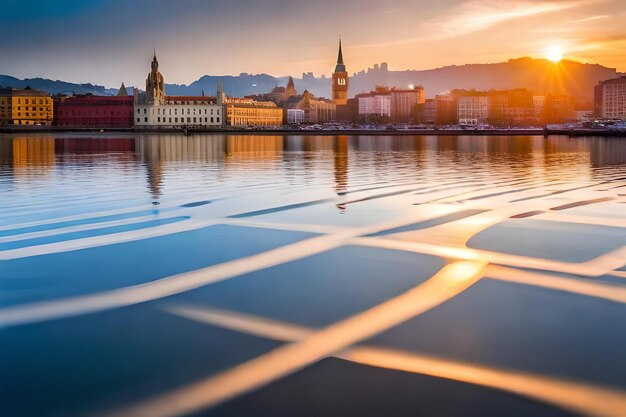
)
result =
(446, 110)
(510, 107)
(25, 106)
(178, 112)
(154, 109)
(295, 116)
(340, 81)
(539, 109)
(404, 103)
(473, 109)
(560, 108)
(315, 110)
(427, 112)
(249, 112)
(375, 106)
(94, 111)
(610, 99)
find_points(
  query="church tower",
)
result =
(340, 81)
(291, 88)
(154, 83)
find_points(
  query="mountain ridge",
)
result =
(566, 77)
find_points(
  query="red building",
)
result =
(94, 111)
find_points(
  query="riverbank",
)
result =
(326, 132)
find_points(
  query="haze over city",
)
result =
(107, 42)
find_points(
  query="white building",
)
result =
(610, 97)
(374, 104)
(179, 112)
(155, 109)
(473, 109)
(295, 116)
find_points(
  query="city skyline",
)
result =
(109, 42)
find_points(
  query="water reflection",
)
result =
(361, 244)
(341, 162)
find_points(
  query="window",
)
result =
(146, 119)
(138, 120)
(194, 120)
(211, 120)
(145, 111)
(138, 111)
(218, 120)
(175, 119)
(189, 120)
(158, 119)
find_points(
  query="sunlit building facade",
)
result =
(25, 106)
(473, 109)
(404, 103)
(610, 99)
(314, 110)
(375, 106)
(248, 112)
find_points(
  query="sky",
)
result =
(107, 42)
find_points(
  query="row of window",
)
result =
(35, 115)
(19, 108)
(182, 120)
(169, 111)
(30, 100)
(91, 113)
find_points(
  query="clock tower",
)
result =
(340, 81)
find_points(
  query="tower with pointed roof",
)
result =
(155, 89)
(290, 91)
(340, 81)
(122, 92)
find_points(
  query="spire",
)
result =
(122, 91)
(291, 88)
(340, 56)
(340, 65)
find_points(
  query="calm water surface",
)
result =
(242, 275)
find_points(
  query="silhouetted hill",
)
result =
(55, 87)
(539, 75)
(536, 74)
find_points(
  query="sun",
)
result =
(554, 53)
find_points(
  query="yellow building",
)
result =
(25, 106)
(248, 112)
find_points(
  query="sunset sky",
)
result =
(110, 41)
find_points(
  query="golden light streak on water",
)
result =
(447, 283)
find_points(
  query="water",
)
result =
(235, 275)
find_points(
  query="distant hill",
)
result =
(536, 74)
(539, 75)
(56, 87)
